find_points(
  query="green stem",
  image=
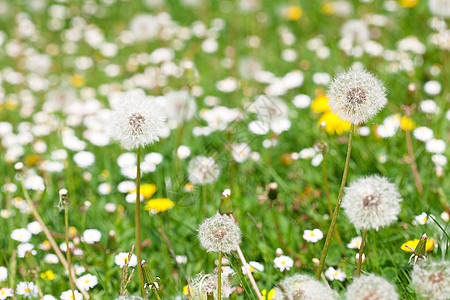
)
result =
(69, 264)
(327, 191)
(204, 201)
(338, 204)
(138, 220)
(361, 251)
(219, 278)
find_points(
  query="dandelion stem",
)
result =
(413, 162)
(250, 276)
(138, 220)
(361, 251)
(219, 278)
(69, 264)
(327, 191)
(204, 201)
(49, 236)
(338, 204)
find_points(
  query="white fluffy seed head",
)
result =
(219, 234)
(356, 96)
(203, 170)
(203, 284)
(371, 287)
(431, 280)
(136, 121)
(303, 287)
(371, 202)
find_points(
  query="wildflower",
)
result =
(48, 275)
(136, 121)
(356, 96)
(409, 246)
(334, 274)
(420, 250)
(355, 31)
(3, 274)
(202, 285)
(432, 87)
(147, 190)
(68, 295)
(219, 234)
(371, 287)
(87, 281)
(423, 133)
(355, 243)
(283, 262)
(313, 236)
(48, 297)
(91, 236)
(407, 123)
(294, 13)
(23, 248)
(27, 289)
(84, 159)
(158, 205)
(268, 295)
(333, 124)
(409, 3)
(435, 146)
(371, 202)
(429, 106)
(51, 258)
(21, 235)
(183, 152)
(422, 219)
(431, 280)
(302, 287)
(252, 266)
(320, 104)
(6, 292)
(203, 170)
(122, 258)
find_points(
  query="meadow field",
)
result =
(279, 149)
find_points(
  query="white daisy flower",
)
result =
(3, 274)
(6, 292)
(27, 289)
(356, 96)
(429, 106)
(87, 281)
(21, 235)
(313, 236)
(91, 236)
(122, 258)
(283, 262)
(423, 133)
(68, 295)
(355, 243)
(334, 274)
(435, 146)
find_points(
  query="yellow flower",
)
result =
(320, 104)
(333, 124)
(159, 205)
(147, 190)
(11, 103)
(328, 8)
(407, 123)
(413, 244)
(294, 13)
(73, 230)
(48, 275)
(269, 296)
(77, 81)
(185, 290)
(409, 3)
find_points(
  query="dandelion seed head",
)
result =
(302, 287)
(371, 202)
(371, 287)
(356, 96)
(219, 234)
(431, 280)
(136, 121)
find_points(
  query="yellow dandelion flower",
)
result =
(32, 160)
(413, 244)
(333, 124)
(268, 296)
(294, 13)
(407, 123)
(328, 8)
(409, 3)
(147, 190)
(320, 104)
(77, 81)
(50, 275)
(159, 205)
(72, 230)
(189, 187)
(186, 290)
